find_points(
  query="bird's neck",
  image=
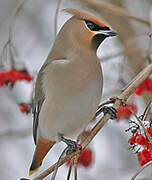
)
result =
(62, 50)
(68, 42)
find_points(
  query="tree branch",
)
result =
(123, 96)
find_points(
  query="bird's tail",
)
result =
(42, 148)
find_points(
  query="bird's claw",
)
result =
(72, 145)
(109, 110)
(72, 148)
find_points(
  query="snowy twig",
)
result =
(141, 124)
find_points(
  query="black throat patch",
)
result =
(97, 40)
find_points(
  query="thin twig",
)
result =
(147, 110)
(149, 50)
(10, 36)
(141, 124)
(75, 167)
(142, 117)
(56, 17)
(70, 168)
(3, 56)
(19, 8)
(141, 169)
(57, 164)
(150, 39)
(124, 96)
(143, 75)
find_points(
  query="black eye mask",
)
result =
(94, 27)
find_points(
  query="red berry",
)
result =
(25, 108)
(132, 140)
(144, 157)
(124, 112)
(149, 129)
(144, 86)
(85, 158)
(140, 139)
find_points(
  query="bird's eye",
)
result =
(90, 25)
(94, 27)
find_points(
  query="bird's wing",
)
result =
(36, 107)
(38, 100)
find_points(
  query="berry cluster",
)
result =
(145, 151)
(12, 76)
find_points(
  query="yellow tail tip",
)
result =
(33, 171)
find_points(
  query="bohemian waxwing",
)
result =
(69, 84)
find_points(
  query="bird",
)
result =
(69, 84)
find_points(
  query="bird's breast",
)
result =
(69, 115)
(71, 77)
(73, 92)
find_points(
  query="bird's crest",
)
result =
(85, 15)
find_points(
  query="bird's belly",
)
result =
(69, 115)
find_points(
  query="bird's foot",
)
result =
(72, 145)
(109, 110)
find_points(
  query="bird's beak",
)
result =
(111, 33)
(108, 33)
(100, 36)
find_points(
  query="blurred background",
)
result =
(32, 33)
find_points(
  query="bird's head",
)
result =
(86, 29)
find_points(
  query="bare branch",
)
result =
(75, 167)
(124, 96)
(70, 168)
(19, 8)
(150, 41)
(57, 164)
(130, 88)
(9, 43)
